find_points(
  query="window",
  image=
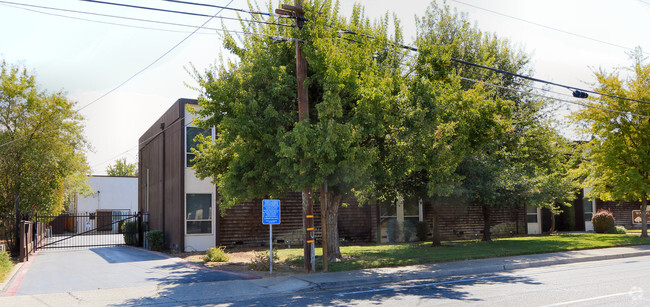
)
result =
(589, 210)
(531, 214)
(198, 213)
(190, 134)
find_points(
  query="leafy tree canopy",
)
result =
(122, 168)
(41, 147)
(617, 158)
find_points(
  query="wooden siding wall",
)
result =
(461, 222)
(242, 225)
(166, 174)
(622, 211)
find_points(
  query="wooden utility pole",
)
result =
(324, 206)
(303, 114)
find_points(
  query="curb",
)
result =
(5, 284)
(483, 269)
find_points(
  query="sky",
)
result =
(125, 77)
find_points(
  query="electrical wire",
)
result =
(544, 81)
(134, 75)
(16, 5)
(555, 98)
(96, 21)
(545, 26)
(230, 9)
(145, 141)
(500, 70)
(184, 13)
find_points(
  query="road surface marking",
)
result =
(596, 298)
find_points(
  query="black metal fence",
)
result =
(101, 228)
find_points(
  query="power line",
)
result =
(225, 8)
(145, 141)
(555, 98)
(501, 71)
(93, 20)
(544, 81)
(136, 74)
(16, 5)
(545, 26)
(184, 13)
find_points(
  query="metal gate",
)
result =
(101, 228)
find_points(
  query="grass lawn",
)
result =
(374, 256)
(636, 230)
(5, 266)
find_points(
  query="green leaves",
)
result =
(41, 145)
(617, 159)
(122, 168)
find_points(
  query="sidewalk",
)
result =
(206, 292)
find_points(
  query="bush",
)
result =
(261, 261)
(216, 254)
(5, 266)
(156, 240)
(422, 230)
(619, 230)
(604, 222)
(130, 231)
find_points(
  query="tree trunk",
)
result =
(332, 212)
(487, 236)
(644, 218)
(552, 230)
(436, 227)
(16, 242)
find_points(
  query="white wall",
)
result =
(198, 242)
(535, 228)
(589, 226)
(111, 193)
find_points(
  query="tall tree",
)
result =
(465, 137)
(41, 145)
(122, 168)
(353, 81)
(617, 159)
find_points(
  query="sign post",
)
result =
(271, 216)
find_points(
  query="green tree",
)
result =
(617, 159)
(122, 168)
(41, 145)
(465, 141)
(354, 82)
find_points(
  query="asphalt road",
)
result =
(620, 282)
(66, 270)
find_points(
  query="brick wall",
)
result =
(460, 221)
(242, 224)
(622, 211)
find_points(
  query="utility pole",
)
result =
(303, 114)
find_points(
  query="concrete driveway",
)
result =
(56, 271)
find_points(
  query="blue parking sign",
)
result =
(271, 211)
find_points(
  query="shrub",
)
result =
(261, 261)
(408, 230)
(5, 266)
(130, 231)
(604, 222)
(619, 230)
(422, 230)
(156, 240)
(216, 254)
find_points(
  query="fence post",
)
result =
(140, 231)
(23, 252)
